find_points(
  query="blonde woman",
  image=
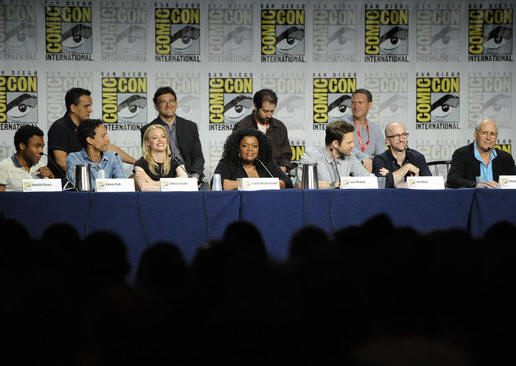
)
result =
(157, 161)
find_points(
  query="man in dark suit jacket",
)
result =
(480, 159)
(183, 134)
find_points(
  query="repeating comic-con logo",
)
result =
(490, 96)
(68, 33)
(18, 32)
(215, 150)
(334, 32)
(230, 32)
(332, 99)
(57, 85)
(230, 100)
(124, 101)
(298, 149)
(438, 32)
(436, 148)
(390, 97)
(438, 101)
(490, 32)
(282, 33)
(501, 144)
(18, 99)
(178, 33)
(386, 33)
(123, 33)
(290, 88)
(187, 87)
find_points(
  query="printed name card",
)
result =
(369, 182)
(507, 181)
(436, 182)
(115, 185)
(257, 184)
(42, 185)
(178, 184)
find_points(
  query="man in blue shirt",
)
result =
(479, 164)
(94, 140)
(399, 161)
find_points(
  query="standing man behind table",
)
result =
(335, 160)
(368, 135)
(24, 164)
(62, 135)
(480, 159)
(95, 142)
(399, 161)
(183, 134)
(261, 119)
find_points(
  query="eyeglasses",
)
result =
(487, 133)
(171, 101)
(399, 136)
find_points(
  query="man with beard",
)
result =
(24, 164)
(261, 119)
(399, 161)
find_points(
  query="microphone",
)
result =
(55, 165)
(264, 167)
(179, 163)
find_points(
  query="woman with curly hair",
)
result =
(248, 153)
(157, 161)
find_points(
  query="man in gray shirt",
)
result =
(335, 160)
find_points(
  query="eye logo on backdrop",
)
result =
(386, 34)
(18, 100)
(17, 32)
(390, 97)
(57, 86)
(290, 88)
(490, 33)
(332, 98)
(230, 33)
(124, 101)
(68, 33)
(282, 33)
(490, 96)
(438, 101)
(334, 32)
(178, 34)
(188, 88)
(438, 32)
(230, 99)
(123, 34)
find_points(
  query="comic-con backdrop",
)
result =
(437, 66)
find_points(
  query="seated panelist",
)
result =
(248, 153)
(157, 160)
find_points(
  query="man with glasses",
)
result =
(399, 161)
(479, 164)
(183, 134)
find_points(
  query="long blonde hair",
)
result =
(147, 154)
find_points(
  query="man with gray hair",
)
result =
(399, 161)
(479, 164)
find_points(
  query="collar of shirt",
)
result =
(395, 162)
(477, 154)
(15, 161)
(486, 172)
(70, 122)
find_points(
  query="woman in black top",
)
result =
(248, 153)
(156, 162)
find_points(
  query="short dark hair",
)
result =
(24, 134)
(232, 145)
(366, 92)
(87, 129)
(73, 95)
(336, 131)
(161, 91)
(265, 95)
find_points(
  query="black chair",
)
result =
(440, 167)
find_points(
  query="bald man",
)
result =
(480, 159)
(399, 161)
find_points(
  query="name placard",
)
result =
(257, 184)
(115, 185)
(436, 182)
(507, 181)
(369, 182)
(178, 184)
(42, 185)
